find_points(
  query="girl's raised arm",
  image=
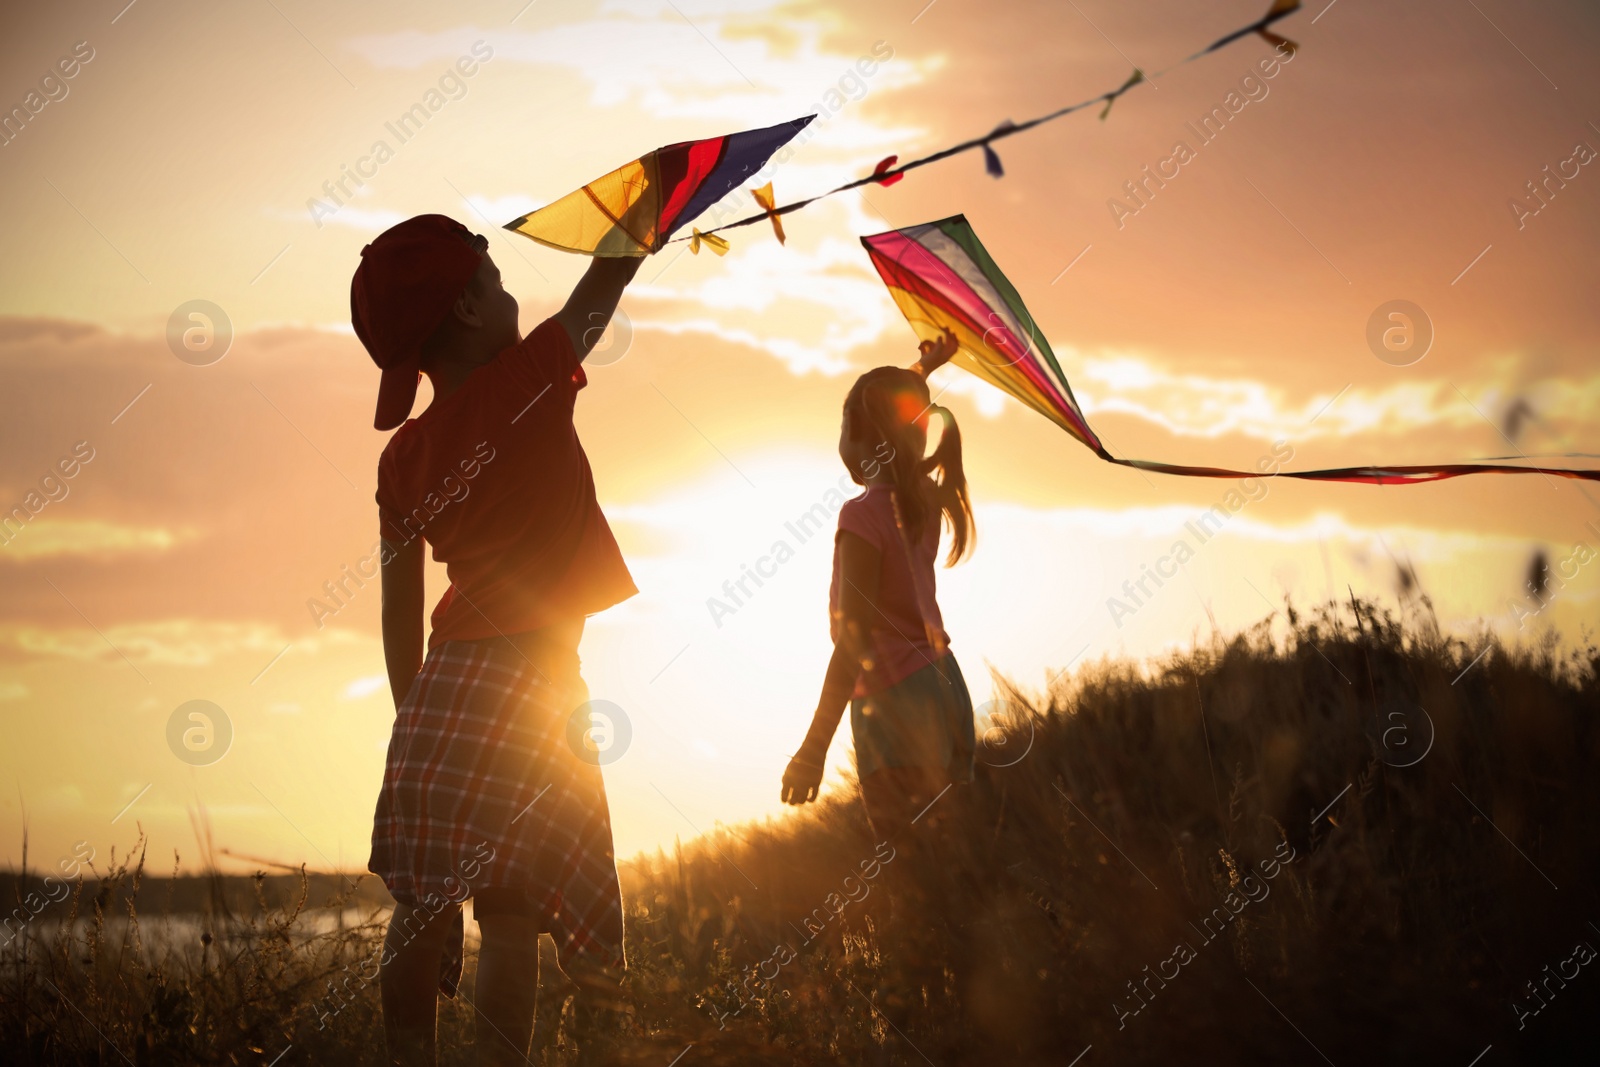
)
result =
(935, 354)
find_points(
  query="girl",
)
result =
(910, 713)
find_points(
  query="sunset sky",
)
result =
(186, 159)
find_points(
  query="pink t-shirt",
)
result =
(901, 643)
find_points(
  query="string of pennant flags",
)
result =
(938, 273)
(889, 170)
(638, 207)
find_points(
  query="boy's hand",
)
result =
(936, 354)
(636, 227)
(802, 779)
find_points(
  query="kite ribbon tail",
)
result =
(1399, 475)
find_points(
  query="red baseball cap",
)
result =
(407, 282)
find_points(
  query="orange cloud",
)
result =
(49, 539)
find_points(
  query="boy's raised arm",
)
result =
(594, 300)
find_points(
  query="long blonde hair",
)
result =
(891, 405)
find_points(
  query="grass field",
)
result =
(1337, 838)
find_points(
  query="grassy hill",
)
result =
(1336, 838)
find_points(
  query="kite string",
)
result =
(1280, 9)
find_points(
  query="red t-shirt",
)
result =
(900, 639)
(494, 478)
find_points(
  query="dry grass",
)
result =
(1401, 931)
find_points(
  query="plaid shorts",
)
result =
(481, 790)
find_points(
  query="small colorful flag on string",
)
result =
(765, 198)
(1278, 42)
(1280, 7)
(991, 158)
(1133, 79)
(883, 165)
(710, 240)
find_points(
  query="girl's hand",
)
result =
(801, 780)
(936, 354)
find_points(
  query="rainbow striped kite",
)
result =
(942, 278)
(636, 208)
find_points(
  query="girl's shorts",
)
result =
(924, 720)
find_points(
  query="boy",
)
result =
(482, 794)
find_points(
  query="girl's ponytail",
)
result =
(950, 486)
